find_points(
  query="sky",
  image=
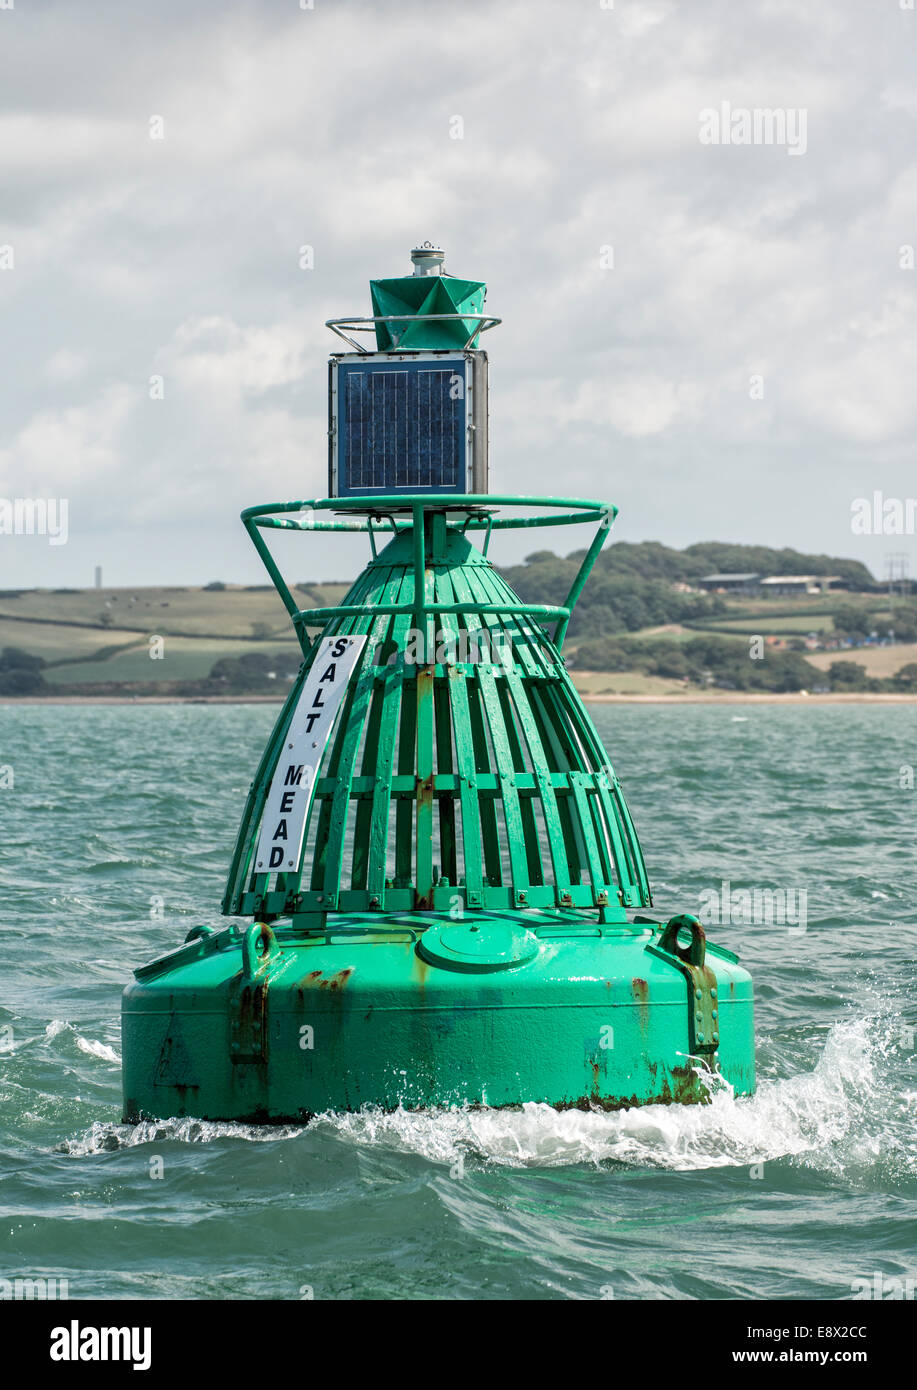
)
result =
(713, 331)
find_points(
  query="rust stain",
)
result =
(681, 1087)
(683, 1090)
(425, 788)
(338, 980)
(641, 993)
(182, 1091)
(335, 983)
(251, 1029)
(422, 969)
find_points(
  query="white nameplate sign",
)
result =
(290, 796)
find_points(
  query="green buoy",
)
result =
(440, 885)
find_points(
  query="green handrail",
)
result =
(368, 511)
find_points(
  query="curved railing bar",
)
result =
(265, 517)
(351, 323)
(585, 509)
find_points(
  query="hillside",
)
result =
(105, 639)
(641, 627)
(644, 625)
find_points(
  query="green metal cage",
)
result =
(463, 771)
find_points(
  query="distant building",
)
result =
(730, 583)
(98, 579)
(789, 584)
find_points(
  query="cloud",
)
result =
(333, 128)
(65, 365)
(62, 452)
(215, 355)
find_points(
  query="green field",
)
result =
(877, 661)
(56, 642)
(88, 637)
(625, 683)
(231, 612)
(183, 658)
(774, 626)
(780, 606)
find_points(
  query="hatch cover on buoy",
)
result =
(483, 945)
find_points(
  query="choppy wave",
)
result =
(103, 1137)
(844, 1113)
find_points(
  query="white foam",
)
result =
(89, 1046)
(832, 1117)
(97, 1049)
(846, 1114)
(103, 1136)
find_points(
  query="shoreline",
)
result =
(726, 697)
(737, 697)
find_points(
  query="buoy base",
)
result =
(273, 1025)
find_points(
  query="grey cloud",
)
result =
(330, 127)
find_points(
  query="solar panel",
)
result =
(400, 423)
